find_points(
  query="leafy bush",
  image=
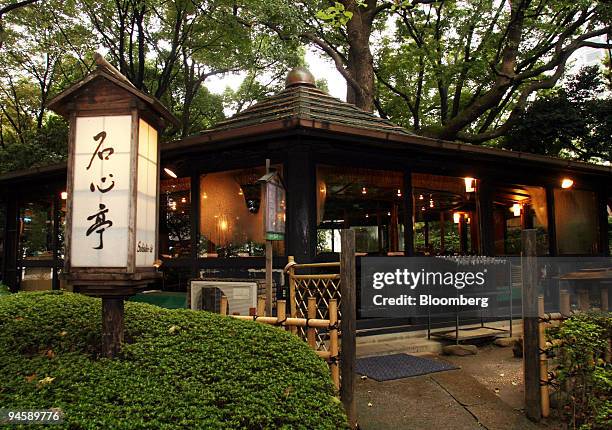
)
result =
(584, 373)
(178, 369)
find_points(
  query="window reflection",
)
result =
(518, 207)
(445, 214)
(36, 231)
(231, 214)
(35, 245)
(175, 218)
(370, 202)
(576, 221)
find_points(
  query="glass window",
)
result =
(368, 201)
(519, 207)
(175, 218)
(576, 221)
(35, 231)
(35, 245)
(231, 215)
(444, 214)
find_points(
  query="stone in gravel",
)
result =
(460, 350)
(505, 341)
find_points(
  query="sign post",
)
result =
(113, 187)
(274, 222)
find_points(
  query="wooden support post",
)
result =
(545, 399)
(112, 325)
(292, 305)
(564, 303)
(311, 332)
(261, 306)
(333, 342)
(269, 298)
(348, 309)
(223, 310)
(281, 313)
(531, 369)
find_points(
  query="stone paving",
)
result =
(438, 401)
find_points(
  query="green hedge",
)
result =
(180, 369)
(583, 376)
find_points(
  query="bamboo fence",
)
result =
(311, 324)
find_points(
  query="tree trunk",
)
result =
(360, 60)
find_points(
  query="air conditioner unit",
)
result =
(241, 296)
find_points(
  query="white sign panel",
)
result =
(146, 212)
(101, 192)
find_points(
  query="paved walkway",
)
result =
(438, 401)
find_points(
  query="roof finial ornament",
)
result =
(300, 76)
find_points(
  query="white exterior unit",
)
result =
(241, 296)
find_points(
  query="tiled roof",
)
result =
(305, 102)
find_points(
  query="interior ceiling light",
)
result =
(469, 185)
(567, 183)
(170, 172)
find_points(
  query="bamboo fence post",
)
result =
(281, 313)
(223, 310)
(261, 306)
(311, 332)
(531, 366)
(333, 342)
(292, 305)
(564, 303)
(348, 309)
(544, 395)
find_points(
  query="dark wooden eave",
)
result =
(61, 103)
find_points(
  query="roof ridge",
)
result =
(309, 103)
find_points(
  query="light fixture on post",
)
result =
(457, 217)
(516, 209)
(64, 195)
(364, 190)
(567, 183)
(469, 184)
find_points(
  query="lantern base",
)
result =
(110, 284)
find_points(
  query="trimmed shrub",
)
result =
(584, 373)
(178, 369)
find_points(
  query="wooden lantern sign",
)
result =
(113, 185)
(275, 206)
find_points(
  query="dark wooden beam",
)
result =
(300, 179)
(195, 222)
(484, 204)
(11, 240)
(602, 211)
(408, 215)
(552, 227)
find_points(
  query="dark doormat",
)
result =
(396, 366)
